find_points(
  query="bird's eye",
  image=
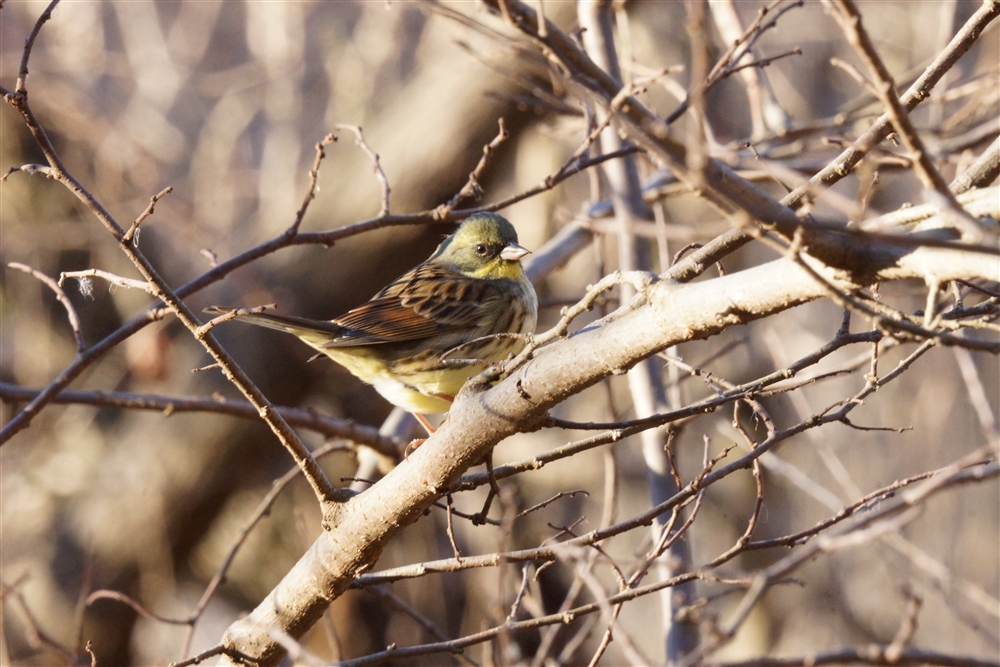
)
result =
(480, 249)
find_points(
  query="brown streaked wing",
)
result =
(428, 301)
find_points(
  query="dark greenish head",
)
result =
(485, 246)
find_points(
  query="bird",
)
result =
(471, 294)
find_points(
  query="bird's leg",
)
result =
(416, 442)
(412, 447)
(423, 422)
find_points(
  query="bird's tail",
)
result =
(311, 331)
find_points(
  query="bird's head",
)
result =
(485, 246)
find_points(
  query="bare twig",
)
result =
(906, 629)
(883, 317)
(304, 418)
(728, 64)
(887, 517)
(263, 509)
(36, 636)
(396, 602)
(29, 169)
(135, 606)
(22, 72)
(377, 166)
(84, 276)
(980, 173)
(915, 94)
(545, 503)
(313, 178)
(472, 188)
(761, 63)
(74, 319)
(451, 530)
(133, 231)
(884, 86)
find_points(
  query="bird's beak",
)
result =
(513, 252)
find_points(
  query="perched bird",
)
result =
(472, 287)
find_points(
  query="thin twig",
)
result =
(850, 21)
(761, 63)
(377, 166)
(451, 529)
(904, 635)
(135, 606)
(472, 188)
(313, 179)
(36, 636)
(22, 72)
(886, 518)
(545, 503)
(727, 65)
(263, 509)
(396, 602)
(29, 169)
(84, 276)
(133, 231)
(74, 319)
(330, 427)
(980, 173)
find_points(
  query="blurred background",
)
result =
(225, 101)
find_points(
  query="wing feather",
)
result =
(430, 300)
